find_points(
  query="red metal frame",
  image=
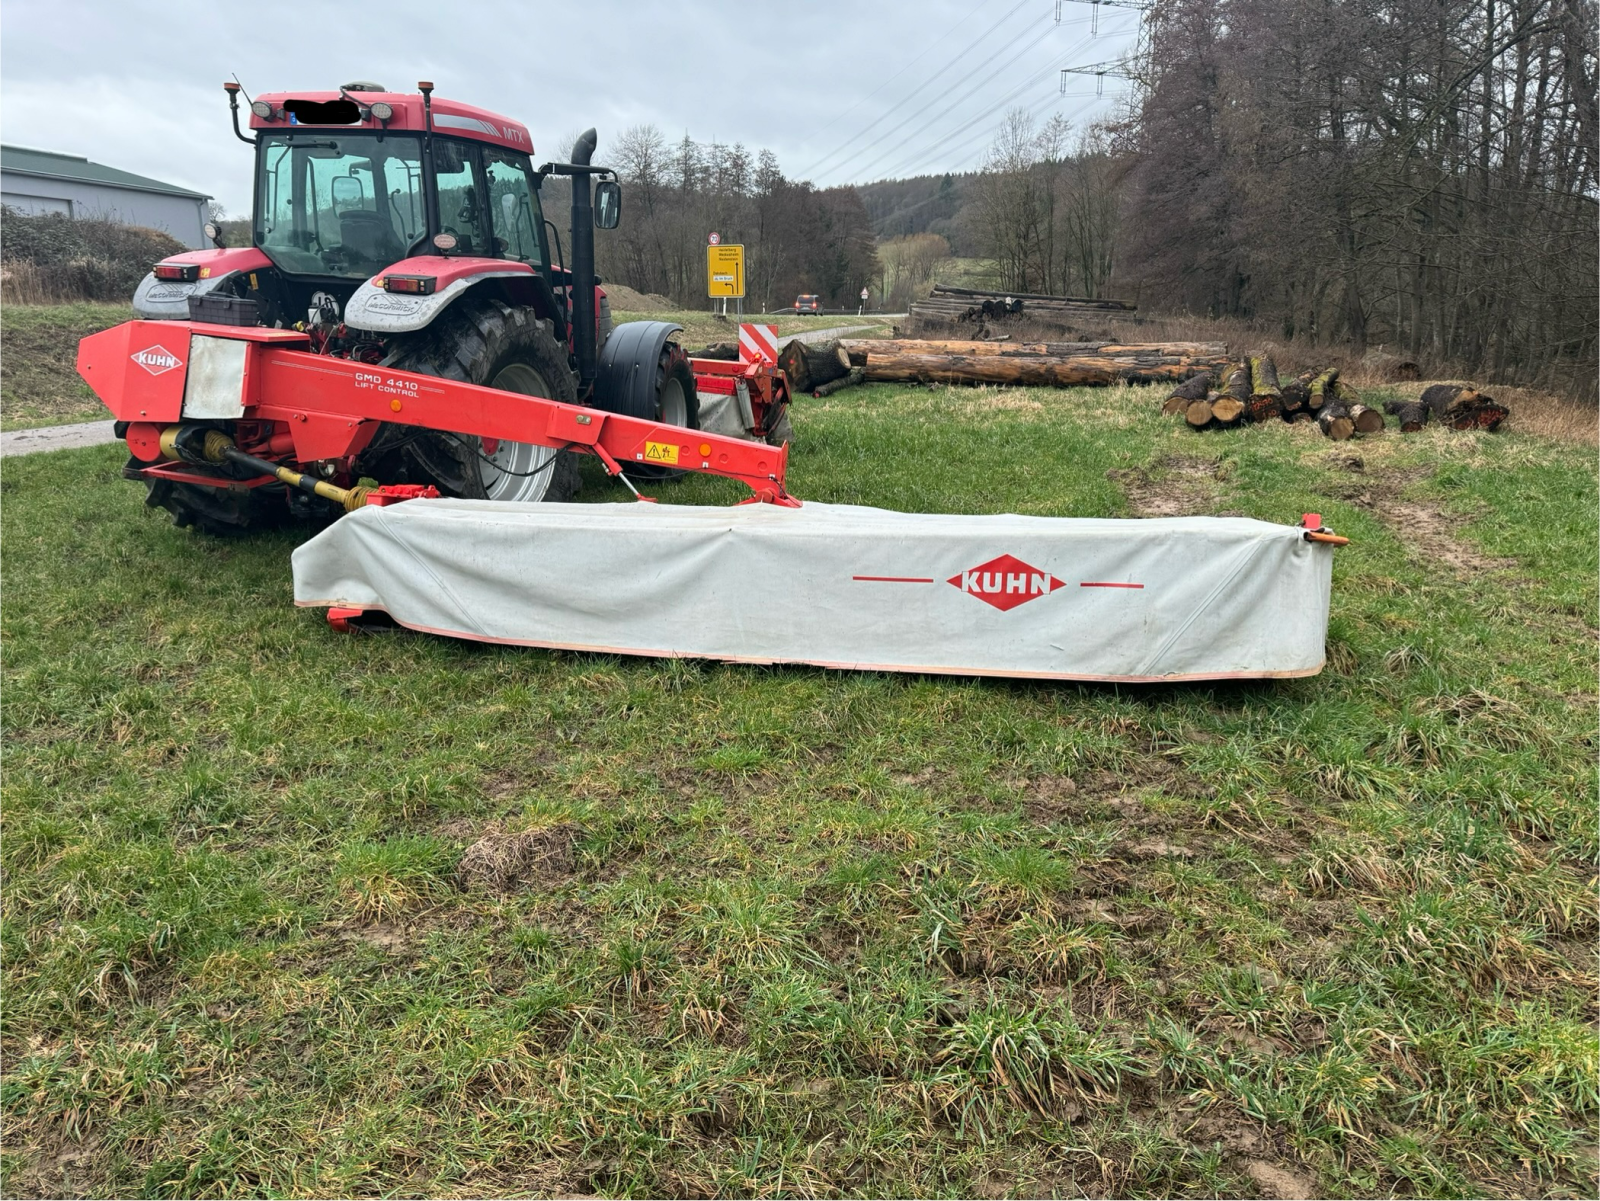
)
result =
(331, 407)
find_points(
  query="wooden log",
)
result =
(1030, 370)
(1228, 409)
(1198, 414)
(1299, 417)
(1390, 367)
(1203, 354)
(1320, 390)
(1367, 421)
(1196, 387)
(717, 350)
(1486, 416)
(1412, 414)
(1266, 397)
(1448, 402)
(811, 364)
(1334, 420)
(1081, 301)
(1264, 379)
(854, 376)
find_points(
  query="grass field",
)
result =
(295, 913)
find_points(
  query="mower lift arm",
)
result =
(331, 407)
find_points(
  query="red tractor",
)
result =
(403, 233)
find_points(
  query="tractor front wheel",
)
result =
(498, 346)
(220, 512)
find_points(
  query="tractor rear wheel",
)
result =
(489, 343)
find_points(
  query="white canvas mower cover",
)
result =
(841, 586)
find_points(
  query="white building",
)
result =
(41, 181)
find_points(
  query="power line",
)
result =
(917, 156)
(982, 81)
(912, 94)
(960, 21)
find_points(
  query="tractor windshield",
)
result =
(341, 204)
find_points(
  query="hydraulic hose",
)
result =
(199, 445)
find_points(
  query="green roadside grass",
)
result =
(294, 913)
(39, 381)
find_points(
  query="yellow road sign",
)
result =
(725, 271)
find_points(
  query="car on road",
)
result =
(808, 304)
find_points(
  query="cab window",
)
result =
(460, 212)
(514, 207)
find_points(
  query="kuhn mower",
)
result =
(400, 331)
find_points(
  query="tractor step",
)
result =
(1185, 598)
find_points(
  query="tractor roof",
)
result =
(449, 117)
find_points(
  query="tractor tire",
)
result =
(676, 403)
(783, 431)
(492, 344)
(218, 511)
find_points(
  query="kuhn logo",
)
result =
(1006, 582)
(156, 359)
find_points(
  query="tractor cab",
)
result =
(376, 210)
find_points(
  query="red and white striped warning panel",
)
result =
(1051, 597)
(758, 343)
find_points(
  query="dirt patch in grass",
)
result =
(1425, 529)
(1178, 486)
(1279, 1182)
(504, 862)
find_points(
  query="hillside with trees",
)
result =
(797, 238)
(1417, 174)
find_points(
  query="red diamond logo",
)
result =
(1006, 582)
(156, 359)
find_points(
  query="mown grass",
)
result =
(787, 931)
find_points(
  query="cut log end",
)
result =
(1198, 413)
(1367, 421)
(1227, 409)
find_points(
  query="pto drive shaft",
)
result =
(196, 444)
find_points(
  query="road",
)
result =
(838, 331)
(55, 437)
(93, 433)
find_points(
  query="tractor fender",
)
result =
(168, 299)
(381, 312)
(625, 379)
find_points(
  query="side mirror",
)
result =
(347, 192)
(607, 204)
(214, 235)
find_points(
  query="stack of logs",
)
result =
(1458, 407)
(1047, 364)
(956, 306)
(1249, 391)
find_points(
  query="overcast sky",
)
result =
(841, 92)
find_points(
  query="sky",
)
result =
(840, 91)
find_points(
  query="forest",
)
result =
(1416, 175)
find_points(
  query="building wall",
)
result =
(180, 216)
